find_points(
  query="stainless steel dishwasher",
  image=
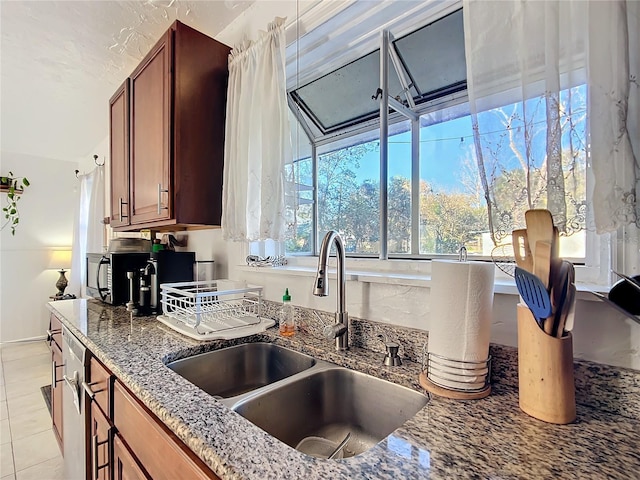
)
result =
(75, 361)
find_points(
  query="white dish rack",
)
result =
(208, 310)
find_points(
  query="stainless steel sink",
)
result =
(232, 371)
(329, 402)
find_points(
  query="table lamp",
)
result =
(60, 260)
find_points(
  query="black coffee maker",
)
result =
(165, 266)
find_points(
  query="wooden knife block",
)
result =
(545, 372)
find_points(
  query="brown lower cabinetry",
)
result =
(57, 383)
(127, 441)
(125, 466)
(159, 451)
(99, 407)
(100, 444)
(54, 337)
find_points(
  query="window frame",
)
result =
(599, 249)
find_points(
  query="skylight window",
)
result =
(433, 60)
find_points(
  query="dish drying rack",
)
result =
(208, 310)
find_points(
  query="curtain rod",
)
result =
(95, 160)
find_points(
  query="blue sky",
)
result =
(440, 154)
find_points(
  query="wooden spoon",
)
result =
(542, 262)
(540, 229)
(521, 250)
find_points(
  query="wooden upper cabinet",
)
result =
(177, 117)
(150, 135)
(119, 152)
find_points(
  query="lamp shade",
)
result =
(60, 259)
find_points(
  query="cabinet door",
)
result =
(125, 466)
(57, 384)
(100, 384)
(151, 94)
(119, 151)
(100, 446)
(158, 450)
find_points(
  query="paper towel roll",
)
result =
(460, 325)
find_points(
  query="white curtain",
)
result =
(88, 229)
(533, 73)
(614, 111)
(257, 139)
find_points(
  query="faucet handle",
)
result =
(331, 332)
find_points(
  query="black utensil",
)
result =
(625, 294)
(634, 283)
(617, 307)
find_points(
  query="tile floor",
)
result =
(29, 449)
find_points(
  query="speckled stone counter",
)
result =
(488, 438)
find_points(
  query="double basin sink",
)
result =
(292, 396)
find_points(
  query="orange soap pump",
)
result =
(287, 321)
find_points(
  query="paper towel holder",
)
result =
(457, 369)
(462, 254)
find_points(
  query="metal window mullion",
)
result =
(314, 181)
(384, 141)
(415, 187)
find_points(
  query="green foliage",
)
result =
(449, 220)
(344, 205)
(14, 187)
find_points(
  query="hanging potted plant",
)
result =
(13, 186)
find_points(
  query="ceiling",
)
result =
(60, 62)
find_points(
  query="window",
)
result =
(299, 206)
(432, 58)
(349, 196)
(436, 193)
(452, 208)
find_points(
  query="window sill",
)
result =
(503, 284)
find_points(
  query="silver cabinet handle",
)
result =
(160, 192)
(54, 377)
(95, 443)
(51, 333)
(87, 388)
(122, 202)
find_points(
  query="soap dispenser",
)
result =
(286, 318)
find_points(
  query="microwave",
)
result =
(107, 274)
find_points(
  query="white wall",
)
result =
(46, 223)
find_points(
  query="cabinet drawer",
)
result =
(100, 381)
(159, 451)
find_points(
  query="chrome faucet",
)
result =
(340, 330)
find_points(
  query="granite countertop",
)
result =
(488, 438)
